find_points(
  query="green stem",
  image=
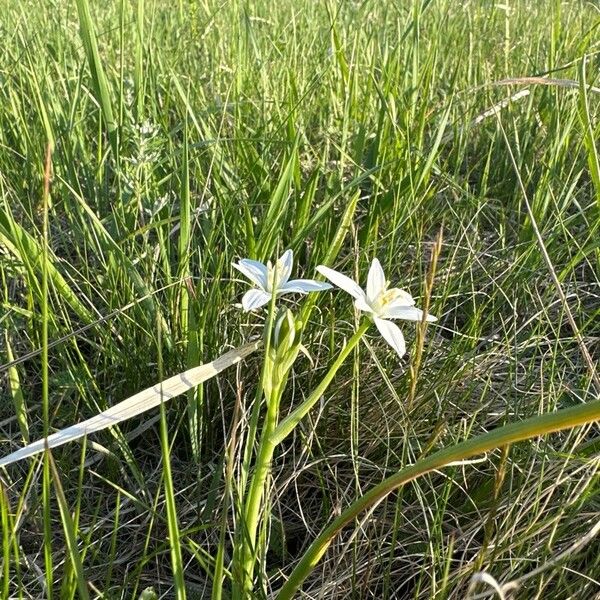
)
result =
(242, 579)
(272, 435)
(508, 434)
(253, 426)
(289, 423)
(257, 492)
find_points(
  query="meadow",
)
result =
(148, 146)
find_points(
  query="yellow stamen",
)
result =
(388, 297)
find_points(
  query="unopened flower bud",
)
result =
(285, 330)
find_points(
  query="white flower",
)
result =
(382, 302)
(274, 280)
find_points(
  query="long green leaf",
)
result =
(99, 79)
(14, 385)
(69, 529)
(589, 135)
(26, 249)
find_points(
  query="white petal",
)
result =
(375, 280)
(343, 282)
(361, 304)
(254, 299)
(392, 335)
(408, 313)
(255, 271)
(302, 286)
(284, 267)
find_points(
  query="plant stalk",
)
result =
(272, 435)
(289, 423)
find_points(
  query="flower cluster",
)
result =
(379, 301)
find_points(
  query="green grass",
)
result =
(189, 134)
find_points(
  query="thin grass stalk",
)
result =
(75, 515)
(11, 533)
(508, 434)
(69, 530)
(219, 570)
(5, 522)
(138, 81)
(172, 519)
(46, 477)
(121, 103)
(415, 367)
(113, 540)
(185, 306)
(490, 522)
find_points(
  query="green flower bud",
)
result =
(285, 331)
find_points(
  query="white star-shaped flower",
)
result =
(382, 302)
(274, 279)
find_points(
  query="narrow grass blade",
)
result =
(44, 310)
(174, 540)
(69, 529)
(28, 250)
(136, 404)
(589, 135)
(5, 522)
(99, 79)
(172, 520)
(184, 238)
(14, 385)
(186, 314)
(138, 80)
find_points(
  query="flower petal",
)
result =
(375, 280)
(392, 335)
(255, 271)
(284, 267)
(408, 313)
(303, 286)
(361, 304)
(343, 282)
(255, 299)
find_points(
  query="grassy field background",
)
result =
(211, 130)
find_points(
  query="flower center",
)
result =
(388, 297)
(273, 271)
